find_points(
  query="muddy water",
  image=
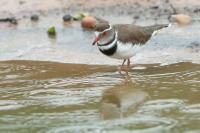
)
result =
(54, 97)
(86, 93)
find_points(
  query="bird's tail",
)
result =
(153, 28)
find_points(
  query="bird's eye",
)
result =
(104, 33)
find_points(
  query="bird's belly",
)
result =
(126, 51)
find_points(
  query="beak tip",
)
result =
(93, 43)
(96, 40)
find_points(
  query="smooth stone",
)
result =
(80, 16)
(34, 17)
(51, 31)
(181, 19)
(67, 17)
(88, 22)
(12, 20)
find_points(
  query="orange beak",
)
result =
(97, 38)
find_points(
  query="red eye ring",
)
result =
(104, 33)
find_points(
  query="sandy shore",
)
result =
(99, 7)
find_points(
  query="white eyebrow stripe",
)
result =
(110, 45)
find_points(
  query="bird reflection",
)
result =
(121, 101)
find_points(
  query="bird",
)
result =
(123, 41)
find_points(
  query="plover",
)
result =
(122, 41)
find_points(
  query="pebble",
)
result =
(197, 10)
(51, 31)
(22, 2)
(155, 7)
(88, 22)
(67, 17)
(12, 20)
(34, 17)
(181, 19)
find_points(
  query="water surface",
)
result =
(55, 97)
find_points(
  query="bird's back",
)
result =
(129, 33)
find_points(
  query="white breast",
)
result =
(126, 51)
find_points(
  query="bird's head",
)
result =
(103, 33)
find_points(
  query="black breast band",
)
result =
(110, 51)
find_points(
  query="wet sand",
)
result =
(15, 6)
(74, 44)
(135, 8)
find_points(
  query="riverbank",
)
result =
(137, 9)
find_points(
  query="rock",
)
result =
(12, 20)
(136, 17)
(80, 16)
(52, 31)
(154, 7)
(34, 17)
(22, 2)
(197, 10)
(67, 17)
(88, 22)
(194, 46)
(181, 19)
(166, 1)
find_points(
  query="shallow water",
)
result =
(74, 44)
(86, 93)
(55, 97)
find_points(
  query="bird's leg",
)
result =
(120, 68)
(128, 63)
(127, 68)
(123, 63)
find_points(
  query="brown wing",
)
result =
(155, 27)
(128, 33)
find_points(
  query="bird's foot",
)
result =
(124, 67)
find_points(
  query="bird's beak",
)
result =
(97, 38)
